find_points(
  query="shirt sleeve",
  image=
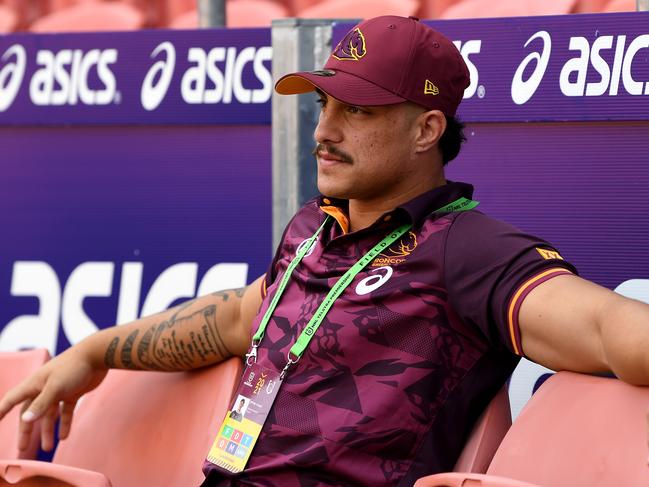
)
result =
(490, 267)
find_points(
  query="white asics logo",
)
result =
(152, 94)
(301, 246)
(523, 90)
(11, 75)
(372, 283)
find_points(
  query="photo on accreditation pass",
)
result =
(239, 408)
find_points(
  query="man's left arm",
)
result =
(568, 323)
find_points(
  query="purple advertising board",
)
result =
(136, 173)
(154, 77)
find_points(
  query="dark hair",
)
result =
(452, 138)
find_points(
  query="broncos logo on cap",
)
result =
(352, 47)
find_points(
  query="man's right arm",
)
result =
(198, 333)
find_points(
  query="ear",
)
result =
(430, 127)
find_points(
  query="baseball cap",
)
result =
(387, 60)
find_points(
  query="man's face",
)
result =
(366, 153)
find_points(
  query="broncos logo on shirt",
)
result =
(352, 47)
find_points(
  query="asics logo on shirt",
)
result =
(302, 244)
(380, 276)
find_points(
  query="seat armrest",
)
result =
(460, 479)
(14, 471)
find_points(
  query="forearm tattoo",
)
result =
(109, 358)
(161, 347)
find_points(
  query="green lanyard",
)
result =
(298, 348)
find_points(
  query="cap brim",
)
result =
(343, 86)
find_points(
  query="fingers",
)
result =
(24, 431)
(15, 396)
(44, 406)
(41, 404)
(48, 422)
(65, 422)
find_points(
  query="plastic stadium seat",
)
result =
(239, 13)
(590, 6)
(486, 436)
(295, 6)
(8, 20)
(91, 16)
(620, 6)
(577, 431)
(15, 366)
(432, 9)
(360, 9)
(138, 429)
(488, 8)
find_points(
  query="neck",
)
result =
(362, 213)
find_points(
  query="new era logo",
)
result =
(430, 88)
(549, 254)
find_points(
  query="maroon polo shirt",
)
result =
(408, 356)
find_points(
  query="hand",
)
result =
(50, 392)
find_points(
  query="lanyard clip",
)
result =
(288, 364)
(251, 357)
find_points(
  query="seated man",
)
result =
(393, 310)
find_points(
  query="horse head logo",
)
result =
(352, 47)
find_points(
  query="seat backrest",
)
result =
(239, 13)
(510, 8)
(578, 431)
(150, 428)
(92, 16)
(359, 9)
(8, 20)
(621, 6)
(432, 9)
(15, 366)
(486, 435)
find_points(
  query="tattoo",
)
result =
(226, 294)
(127, 359)
(161, 348)
(109, 357)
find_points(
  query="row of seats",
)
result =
(107, 15)
(155, 428)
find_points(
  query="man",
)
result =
(237, 414)
(420, 338)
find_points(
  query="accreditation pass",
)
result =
(242, 425)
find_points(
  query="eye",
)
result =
(321, 101)
(354, 109)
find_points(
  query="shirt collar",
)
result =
(418, 208)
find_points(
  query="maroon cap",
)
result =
(388, 60)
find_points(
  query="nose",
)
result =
(328, 129)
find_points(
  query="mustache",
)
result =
(333, 151)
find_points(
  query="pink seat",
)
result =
(360, 9)
(138, 429)
(488, 8)
(91, 17)
(15, 366)
(577, 431)
(621, 6)
(8, 20)
(488, 432)
(239, 13)
(433, 9)
(590, 6)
